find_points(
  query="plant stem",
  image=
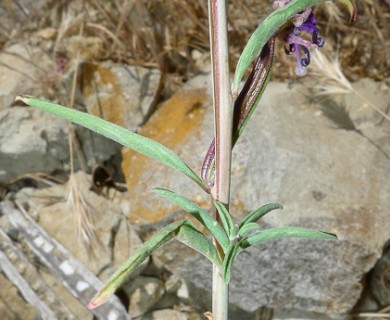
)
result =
(223, 117)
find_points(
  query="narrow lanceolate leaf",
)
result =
(184, 230)
(196, 240)
(197, 212)
(285, 232)
(225, 217)
(270, 26)
(247, 227)
(232, 252)
(260, 212)
(114, 132)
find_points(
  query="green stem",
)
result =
(223, 117)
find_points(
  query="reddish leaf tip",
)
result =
(354, 15)
(97, 301)
(91, 305)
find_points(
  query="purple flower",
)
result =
(304, 21)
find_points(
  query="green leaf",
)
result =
(270, 26)
(193, 238)
(247, 227)
(197, 212)
(114, 132)
(260, 212)
(232, 252)
(285, 232)
(226, 219)
(184, 230)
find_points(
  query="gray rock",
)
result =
(327, 177)
(144, 293)
(125, 95)
(34, 141)
(19, 71)
(30, 141)
(24, 140)
(376, 294)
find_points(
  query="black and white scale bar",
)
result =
(80, 281)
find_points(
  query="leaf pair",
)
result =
(183, 230)
(245, 237)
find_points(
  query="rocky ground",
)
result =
(319, 145)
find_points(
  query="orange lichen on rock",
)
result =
(99, 78)
(172, 124)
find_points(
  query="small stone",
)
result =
(47, 33)
(183, 293)
(172, 284)
(196, 54)
(380, 280)
(144, 293)
(167, 314)
(85, 48)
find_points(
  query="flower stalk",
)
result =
(223, 120)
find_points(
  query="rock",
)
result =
(113, 238)
(379, 284)
(172, 284)
(376, 294)
(144, 293)
(327, 177)
(12, 305)
(34, 141)
(122, 94)
(19, 71)
(31, 140)
(167, 314)
(84, 48)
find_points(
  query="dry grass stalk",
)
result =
(372, 315)
(379, 314)
(40, 177)
(82, 214)
(333, 81)
(334, 15)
